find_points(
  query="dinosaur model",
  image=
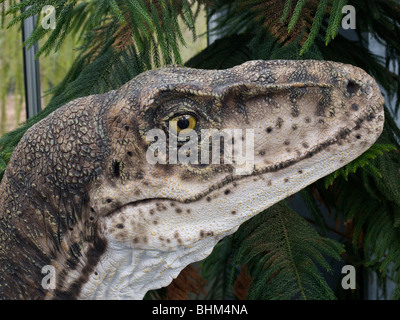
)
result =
(80, 195)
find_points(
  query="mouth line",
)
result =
(342, 134)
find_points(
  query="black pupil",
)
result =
(183, 123)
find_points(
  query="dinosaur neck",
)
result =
(126, 273)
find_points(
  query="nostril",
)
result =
(352, 87)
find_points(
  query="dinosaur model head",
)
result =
(107, 191)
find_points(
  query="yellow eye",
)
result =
(183, 123)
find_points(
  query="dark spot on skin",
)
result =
(139, 175)
(155, 222)
(287, 142)
(151, 211)
(188, 210)
(135, 240)
(208, 199)
(305, 145)
(359, 121)
(295, 111)
(300, 171)
(116, 169)
(202, 233)
(262, 152)
(172, 204)
(294, 127)
(178, 210)
(71, 229)
(233, 212)
(108, 200)
(168, 240)
(354, 107)
(352, 87)
(279, 123)
(286, 180)
(269, 130)
(307, 120)
(325, 101)
(176, 235)
(358, 136)
(370, 116)
(161, 207)
(269, 183)
(91, 209)
(120, 226)
(91, 218)
(227, 191)
(130, 153)
(96, 273)
(126, 128)
(343, 133)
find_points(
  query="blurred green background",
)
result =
(53, 68)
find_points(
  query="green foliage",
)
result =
(369, 202)
(295, 18)
(363, 160)
(218, 270)
(285, 254)
(316, 25)
(11, 75)
(334, 20)
(296, 14)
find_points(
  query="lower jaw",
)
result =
(128, 274)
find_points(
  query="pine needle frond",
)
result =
(283, 254)
(363, 160)
(218, 271)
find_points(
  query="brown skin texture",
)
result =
(56, 188)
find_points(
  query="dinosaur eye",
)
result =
(183, 123)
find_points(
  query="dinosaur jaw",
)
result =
(127, 274)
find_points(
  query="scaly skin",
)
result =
(79, 194)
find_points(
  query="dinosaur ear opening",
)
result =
(352, 87)
(116, 169)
